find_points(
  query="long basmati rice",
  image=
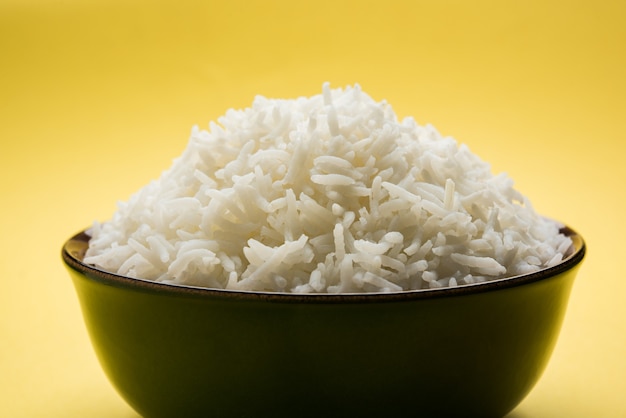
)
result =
(322, 195)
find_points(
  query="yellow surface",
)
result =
(97, 97)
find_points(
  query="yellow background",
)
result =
(97, 97)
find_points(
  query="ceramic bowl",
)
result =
(175, 351)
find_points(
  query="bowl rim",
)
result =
(74, 249)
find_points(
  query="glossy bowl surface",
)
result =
(474, 350)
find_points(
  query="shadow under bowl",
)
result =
(474, 350)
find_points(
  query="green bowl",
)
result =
(176, 351)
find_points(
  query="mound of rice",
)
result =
(325, 194)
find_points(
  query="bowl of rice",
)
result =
(319, 257)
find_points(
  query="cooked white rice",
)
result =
(325, 194)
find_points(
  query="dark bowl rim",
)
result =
(74, 249)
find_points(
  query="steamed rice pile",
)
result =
(322, 195)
